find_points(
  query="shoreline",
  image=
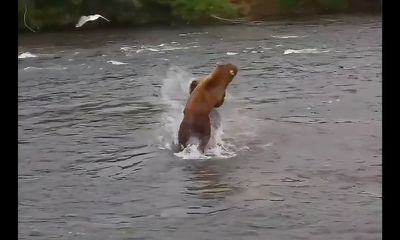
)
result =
(238, 21)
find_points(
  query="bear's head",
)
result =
(225, 72)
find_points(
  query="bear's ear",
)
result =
(193, 85)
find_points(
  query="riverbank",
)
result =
(46, 15)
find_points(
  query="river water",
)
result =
(301, 140)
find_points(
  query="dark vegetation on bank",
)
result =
(54, 15)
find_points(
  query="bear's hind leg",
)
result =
(183, 135)
(205, 136)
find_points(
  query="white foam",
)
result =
(306, 50)
(191, 152)
(26, 55)
(244, 148)
(268, 144)
(147, 49)
(231, 53)
(160, 48)
(116, 62)
(283, 37)
(193, 33)
(169, 48)
(31, 68)
(57, 67)
(125, 49)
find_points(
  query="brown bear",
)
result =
(215, 118)
(207, 94)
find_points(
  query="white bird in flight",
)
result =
(85, 19)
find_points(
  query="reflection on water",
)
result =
(206, 182)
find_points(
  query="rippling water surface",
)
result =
(302, 124)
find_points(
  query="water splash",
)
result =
(174, 94)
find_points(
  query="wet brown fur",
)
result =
(194, 84)
(206, 94)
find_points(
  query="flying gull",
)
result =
(85, 19)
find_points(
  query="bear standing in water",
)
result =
(208, 94)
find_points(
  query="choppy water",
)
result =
(301, 156)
